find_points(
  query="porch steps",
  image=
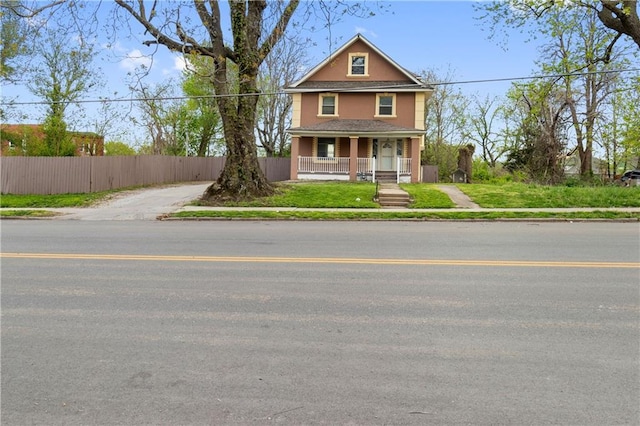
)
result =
(391, 196)
(386, 177)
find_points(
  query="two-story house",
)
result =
(358, 115)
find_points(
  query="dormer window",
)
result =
(328, 104)
(358, 65)
(385, 105)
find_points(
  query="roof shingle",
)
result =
(356, 126)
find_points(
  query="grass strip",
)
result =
(27, 213)
(356, 215)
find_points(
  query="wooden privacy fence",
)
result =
(65, 175)
(69, 175)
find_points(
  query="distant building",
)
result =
(572, 165)
(13, 137)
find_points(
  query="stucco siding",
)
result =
(359, 106)
(378, 67)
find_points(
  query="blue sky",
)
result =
(418, 35)
(446, 34)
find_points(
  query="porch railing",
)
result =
(366, 165)
(323, 165)
(404, 166)
(341, 165)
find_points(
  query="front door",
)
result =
(387, 155)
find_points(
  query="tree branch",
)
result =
(159, 36)
(18, 8)
(623, 19)
(279, 29)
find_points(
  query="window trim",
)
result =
(320, 104)
(336, 148)
(352, 55)
(393, 105)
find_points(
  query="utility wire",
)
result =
(281, 92)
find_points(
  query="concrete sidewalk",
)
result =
(459, 198)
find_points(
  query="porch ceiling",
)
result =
(356, 127)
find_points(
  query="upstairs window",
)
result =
(326, 147)
(328, 104)
(359, 64)
(386, 105)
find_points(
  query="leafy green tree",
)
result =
(579, 49)
(538, 134)
(625, 129)
(57, 140)
(113, 148)
(12, 44)
(63, 74)
(203, 126)
(577, 41)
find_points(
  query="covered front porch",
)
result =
(367, 169)
(356, 156)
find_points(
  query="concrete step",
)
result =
(386, 177)
(393, 198)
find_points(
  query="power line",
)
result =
(444, 83)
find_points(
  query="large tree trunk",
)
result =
(237, 95)
(241, 176)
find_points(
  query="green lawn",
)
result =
(51, 201)
(316, 195)
(427, 196)
(519, 195)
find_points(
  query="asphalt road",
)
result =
(229, 322)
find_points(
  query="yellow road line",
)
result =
(336, 260)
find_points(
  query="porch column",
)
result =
(353, 158)
(415, 160)
(295, 152)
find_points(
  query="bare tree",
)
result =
(481, 129)
(445, 122)
(280, 69)
(157, 116)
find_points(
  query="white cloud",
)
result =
(365, 32)
(179, 63)
(135, 59)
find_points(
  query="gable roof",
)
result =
(413, 82)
